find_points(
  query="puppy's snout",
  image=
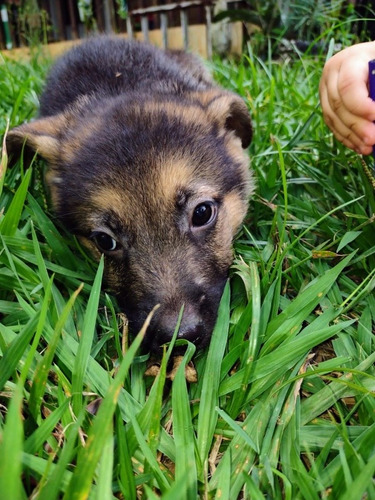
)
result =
(191, 327)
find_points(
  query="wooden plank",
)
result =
(58, 27)
(164, 29)
(2, 16)
(144, 27)
(73, 19)
(173, 6)
(208, 31)
(112, 15)
(184, 28)
(99, 15)
(236, 45)
(165, 8)
(129, 27)
(107, 16)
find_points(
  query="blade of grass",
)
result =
(42, 370)
(223, 485)
(238, 429)
(19, 271)
(39, 329)
(254, 491)
(286, 483)
(9, 223)
(11, 446)
(85, 344)
(126, 475)
(248, 360)
(211, 378)
(55, 241)
(104, 475)
(16, 349)
(159, 476)
(183, 433)
(39, 258)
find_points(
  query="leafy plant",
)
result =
(301, 20)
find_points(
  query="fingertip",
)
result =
(364, 150)
(368, 138)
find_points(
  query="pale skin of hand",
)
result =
(347, 108)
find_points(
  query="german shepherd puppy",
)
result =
(147, 165)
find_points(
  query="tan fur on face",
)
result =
(236, 208)
(109, 198)
(236, 152)
(79, 135)
(175, 174)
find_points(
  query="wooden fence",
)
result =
(183, 24)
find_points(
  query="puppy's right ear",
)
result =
(42, 136)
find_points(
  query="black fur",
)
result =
(105, 66)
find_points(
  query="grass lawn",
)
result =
(284, 405)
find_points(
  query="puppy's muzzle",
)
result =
(191, 328)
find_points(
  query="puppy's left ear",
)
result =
(42, 136)
(238, 119)
(231, 112)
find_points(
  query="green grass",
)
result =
(284, 404)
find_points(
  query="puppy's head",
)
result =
(160, 187)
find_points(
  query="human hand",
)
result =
(347, 108)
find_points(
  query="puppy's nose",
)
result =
(191, 327)
(191, 330)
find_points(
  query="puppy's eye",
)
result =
(105, 242)
(204, 214)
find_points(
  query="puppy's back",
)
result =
(107, 66)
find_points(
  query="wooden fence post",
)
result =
(144, 26)
(185, 28)
(164, 29)
(129, 27)
(208, 31)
